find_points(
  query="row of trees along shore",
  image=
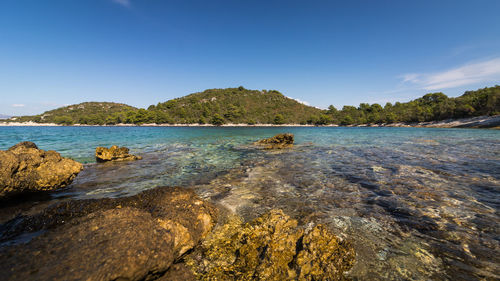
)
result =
(239, 105)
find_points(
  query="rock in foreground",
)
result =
(114, 153)
(277, 142)
(25, 168)
(272, 247)
(133, 238)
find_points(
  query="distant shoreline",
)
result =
(473, 122)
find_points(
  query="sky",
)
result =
(141, 52)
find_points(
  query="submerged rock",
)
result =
(277, 142)
(25, 168)
(114, 153)
(133, 238)
(272, 247)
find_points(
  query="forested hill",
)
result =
(239, 105)
(236, 105)
(430, 107)
(84, 113)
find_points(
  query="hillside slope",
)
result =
(240, 105)
(92, 113)
(235, 105)
(430, 107)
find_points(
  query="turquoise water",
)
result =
(417, 203)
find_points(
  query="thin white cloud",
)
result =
(124, 3)
(410, 77)
(485, 71)
(18, 105)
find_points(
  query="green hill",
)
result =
(430, 107)
(240, 105)
(92, 113)
(235, 105)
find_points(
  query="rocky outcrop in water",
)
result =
(114, 153)
(277, 142)
(134, 238)
(272, 247)
(25, 168)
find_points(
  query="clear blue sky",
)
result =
(141, 52)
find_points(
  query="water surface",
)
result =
(417, 203)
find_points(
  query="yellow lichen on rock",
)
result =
(25, 168)
(271, 247)
(182, 237)
(114, 153)
(323, 255)
(279, 141)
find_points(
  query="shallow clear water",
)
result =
(417, 203)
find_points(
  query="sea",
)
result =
(416, 203)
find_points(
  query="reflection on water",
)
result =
(417, 203)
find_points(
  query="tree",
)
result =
(217, 120)
(63, 120)
(279, 119)
(332, 110)
(324, 120)
(111, 120)
(376, 108)
(347, 120)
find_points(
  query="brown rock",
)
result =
(133, 238)
(277, 142)
(323, 255)
(114, 153)
(105, 245)
(178, 272)
(25, 168)
(272, 247)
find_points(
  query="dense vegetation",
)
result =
(430, 107)
(90, 113)
(234, 105)
(239, 105)
(214, 106)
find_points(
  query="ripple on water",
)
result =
(417, 204)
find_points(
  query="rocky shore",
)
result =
(25, 168)
(279, 141)
(114, 154)
(164, 233)
(133, 238)
(474, 122)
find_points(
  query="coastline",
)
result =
(33, 124)
(492, 122)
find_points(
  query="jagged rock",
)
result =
(277, 142)
(25, 168)
(114, 153)
(133, 238)
(272, 247)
